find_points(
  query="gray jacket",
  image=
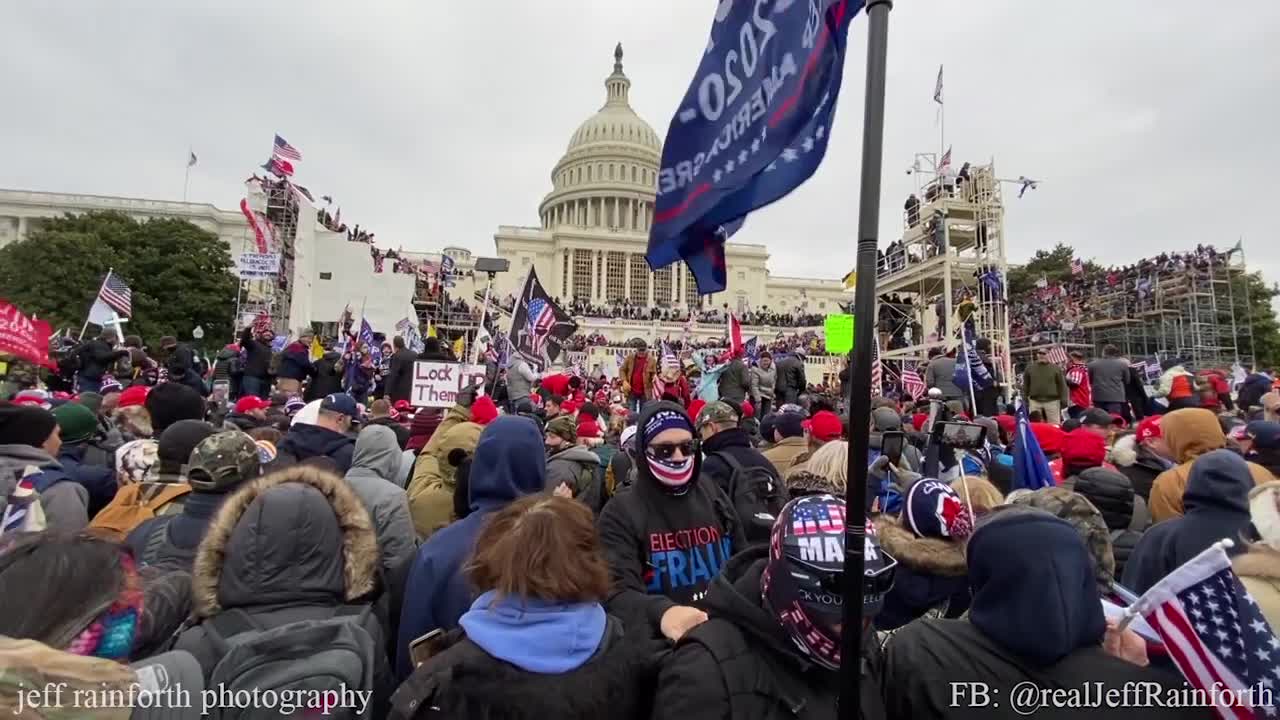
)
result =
(762, 382)
(939, 375)
(1107, 376)
(520, 380)
(569, 466)
(374, 475)
(65, 503)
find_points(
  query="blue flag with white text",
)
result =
(1030, 466)
(752, 127)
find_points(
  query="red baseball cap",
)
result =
(133, 395)
(249, 403)
(748, 410)
(402, 405)
(1081, 447)
(825, 426)
(1149, 428)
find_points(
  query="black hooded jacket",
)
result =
(1124, 512)
(931, 576)
(1268, 458)
(1036, 617)
(1216, 504)
(1139, 464)
(791, 382)
(741, 665)
(307, 441)
(327, 380)
(663, 547)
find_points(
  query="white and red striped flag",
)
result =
(283, 149)
(912, 384)
(1077, 266)
(1216, 635)
(1058, 355)
(877, 372)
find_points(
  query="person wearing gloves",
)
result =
(927, 539)
(671, 533)
(1036, 617)
(374, 473)
(1217, 506)
(30, 438)
(536, 643)
(771, 645)
(1190, 433)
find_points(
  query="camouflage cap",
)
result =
(564, 427)
(222, 461)
(1085, 518)
(718, 412)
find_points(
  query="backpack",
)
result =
(756, 495)
(315, 656)
(132, 506)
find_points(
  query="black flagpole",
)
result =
(859, 400)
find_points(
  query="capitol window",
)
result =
(326, 276)
(639, 279)
(614, 275)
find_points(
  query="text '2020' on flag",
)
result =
(752, 127)
(538, 325)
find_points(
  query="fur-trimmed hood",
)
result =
(1259, 561)
(300, 535)
(931, 556)
(1125, 451)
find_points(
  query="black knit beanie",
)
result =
(25, 425)
(170, 402)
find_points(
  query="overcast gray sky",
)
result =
(1150, 122)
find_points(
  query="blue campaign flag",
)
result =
(752, 127)
(1030, 467)
(969, 365)
(370, 344)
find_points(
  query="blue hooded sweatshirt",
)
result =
(509, 462)
(1040, 602)
(1216, 506)
(535, 635)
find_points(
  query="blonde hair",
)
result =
(979, 491)
(831, 462)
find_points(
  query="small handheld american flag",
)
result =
(913, 384)
(1058, 355)
(1216, 635)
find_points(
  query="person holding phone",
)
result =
(537, 642)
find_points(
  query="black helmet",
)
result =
(801, 583)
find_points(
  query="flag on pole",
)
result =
(1077, 267)
(969, 366)
(877, 370)
(1030, 467)
(191, 159)
(726, 156)
(1216, 635)
(1027, 184)
(459, 346)
(285, 150)
(945, 162)
(317, 350)
(367, 340)
(538, 325)
(937, 87)
(912, 384)
(1058, 355)
(735, 336)
(278, 167)
(114, 297)
(850, 280)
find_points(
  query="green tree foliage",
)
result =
(180, 275)
(1054, 265)
(1261, 313)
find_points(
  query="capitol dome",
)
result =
(608, 173)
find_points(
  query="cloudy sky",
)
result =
(1151, 123)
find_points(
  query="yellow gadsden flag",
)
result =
(431, 329)
(851, 280)
(458, 346)
(317, 350)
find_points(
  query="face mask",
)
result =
(672, 473)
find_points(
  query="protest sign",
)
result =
(838, 330)
(437, 384)
(22, 337)
(254, 266)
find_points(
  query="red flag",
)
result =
(23, 337)
(735, 336)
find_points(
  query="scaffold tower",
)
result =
(948, 265)
(278, 203)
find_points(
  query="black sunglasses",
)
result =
(666, 450)
(878, 582)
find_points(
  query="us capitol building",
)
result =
(589, 242)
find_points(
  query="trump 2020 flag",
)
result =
(752, 127)
(969, 366)
(1030, 467)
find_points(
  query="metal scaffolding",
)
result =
(278, 202)
(932, 280)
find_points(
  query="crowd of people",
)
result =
(663, 544)
(624, 309)
(1054, 311)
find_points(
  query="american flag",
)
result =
(818, 518)
(116, 294)
(877, 372)
(1058, 355)
(913, 384)
(945, 162)
(1216, 635)
(285, 150)
(1077, 267)
(541, 318)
